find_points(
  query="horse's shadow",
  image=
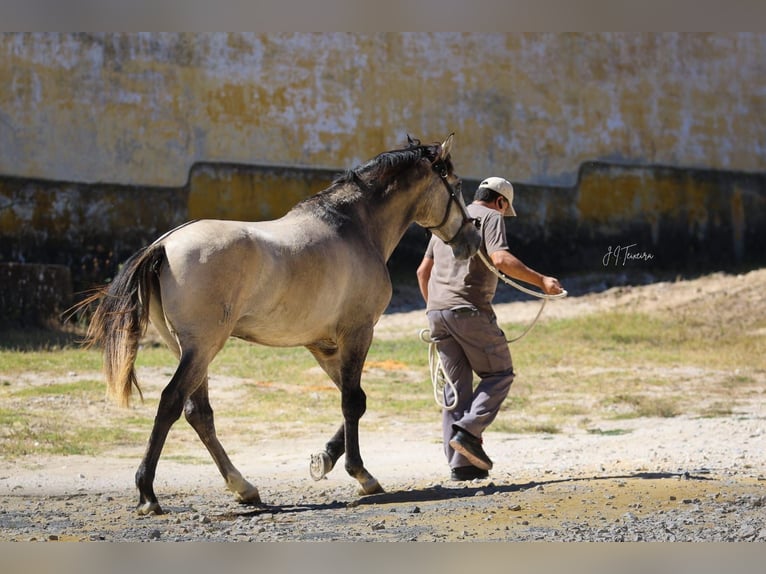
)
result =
(438, 492)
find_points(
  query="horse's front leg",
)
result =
(323, 462)
(344, 362)
(354, 404)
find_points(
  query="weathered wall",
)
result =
(686, 219)
(33, 294)
(683, 220)
(654, 141)
(142, 108)
(89, 228)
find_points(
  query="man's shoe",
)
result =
(460, 473)
(470, 447)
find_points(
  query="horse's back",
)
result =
(284, 282)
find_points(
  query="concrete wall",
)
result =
(142, 108)
(653, 141)
(686, 219)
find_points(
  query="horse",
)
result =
(316, 277)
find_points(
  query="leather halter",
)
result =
(441, 169)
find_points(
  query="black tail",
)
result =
(121, 318)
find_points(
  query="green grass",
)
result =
(91, 388)
(570, 372)
(23, 433)
(617, 339)
(644, 406)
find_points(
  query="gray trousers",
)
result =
(470, 341)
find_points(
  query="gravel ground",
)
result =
(672, 479)
(667, 480)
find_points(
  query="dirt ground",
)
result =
(670, 479)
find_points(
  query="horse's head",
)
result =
(445, 214)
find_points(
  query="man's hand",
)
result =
(551, 286)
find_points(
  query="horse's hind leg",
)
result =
(188, 375)
(199, 414)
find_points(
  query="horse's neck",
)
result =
(382, 221)
(386, 222)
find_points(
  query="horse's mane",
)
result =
(370, 179)
(388, 164)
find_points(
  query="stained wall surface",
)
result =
(654, 141)
(142, 108)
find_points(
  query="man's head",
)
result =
(497, 189)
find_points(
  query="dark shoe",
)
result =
(470, 447)
(468, 473)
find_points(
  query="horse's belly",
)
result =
(278, 330)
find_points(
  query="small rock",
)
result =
(154, 534)
(515, 508)
(415, 510)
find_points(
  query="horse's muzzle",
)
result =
(467, 241)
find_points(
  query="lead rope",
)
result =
(440, 379)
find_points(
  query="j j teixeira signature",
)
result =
(621, 254)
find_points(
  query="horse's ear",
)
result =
(412, 142)
(446, 147)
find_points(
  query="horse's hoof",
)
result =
(370, 486)
(321, 464)
(250, 496)
(146, 508)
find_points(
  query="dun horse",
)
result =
(316, 278)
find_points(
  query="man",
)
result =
(458, 295)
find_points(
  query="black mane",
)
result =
(389, 164)
(369, 179)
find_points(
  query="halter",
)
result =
(441, 169)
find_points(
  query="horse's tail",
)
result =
(121, 317)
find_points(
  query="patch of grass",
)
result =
(187, 459)
(25, 434)
(621, 338)
(644, 406)
(608, 365)
(717, 409)
(609, 432)
(86, 387)
(515, 402)
(516, 426)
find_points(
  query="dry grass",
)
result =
(589, 371)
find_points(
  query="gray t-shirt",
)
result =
(456, 283)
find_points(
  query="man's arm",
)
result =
(424, 274)
(512, 266)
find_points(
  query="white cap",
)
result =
(504, 188)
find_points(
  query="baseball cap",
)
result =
(504, 188)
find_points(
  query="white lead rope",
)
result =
(439, 378)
